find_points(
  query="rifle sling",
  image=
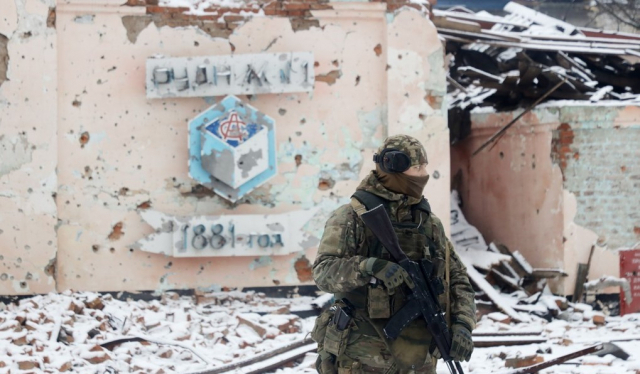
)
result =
(447, 289)
(409, 312)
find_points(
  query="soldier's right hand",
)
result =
(390, 273)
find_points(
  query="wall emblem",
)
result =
(232, 148)
(232, 129)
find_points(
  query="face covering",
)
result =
(402, 183)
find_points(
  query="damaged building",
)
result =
(544, 120)
(109, 180)
(195, 149)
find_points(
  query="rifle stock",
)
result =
(423, 300)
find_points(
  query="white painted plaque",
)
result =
(229, 75)
(227, 235)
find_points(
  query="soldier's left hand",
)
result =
(461, 343)
(390, 273)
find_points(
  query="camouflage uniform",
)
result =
(346, 242)
(409, 145)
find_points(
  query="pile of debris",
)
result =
(523, 326)
(526, 57)
(211, 333)
(505, 281)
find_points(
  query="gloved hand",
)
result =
(390, 273)
(461, 343)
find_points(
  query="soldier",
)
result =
(353, 265)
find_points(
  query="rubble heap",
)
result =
(508, 288)
(505, 62)
(524, 327)
(92, 333)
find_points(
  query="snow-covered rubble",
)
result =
(92, 333)
(562, 337)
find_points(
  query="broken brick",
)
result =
(292, 326)
(256, 327)
(165, 353)
(520, 362)
(76, 307)
(66, 366)
(20, 340)
(28, 364)
(562, 304)
(499, 317)
(100, 355)
(599, 319)
(94, 304)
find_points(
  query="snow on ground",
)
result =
(179, 335)
(182, 336)
(563, 337)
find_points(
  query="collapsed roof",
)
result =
(527, 57)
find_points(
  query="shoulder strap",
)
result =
(424, 206)
(361, 202)
(447, 278)
(369, 200)
(357, 206)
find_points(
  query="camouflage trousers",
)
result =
(369, 354)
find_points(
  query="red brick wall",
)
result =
(601, 166)
(298, 10)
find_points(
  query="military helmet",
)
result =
(400, 152)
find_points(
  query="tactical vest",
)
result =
(416, 238)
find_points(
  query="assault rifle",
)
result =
(423, 300)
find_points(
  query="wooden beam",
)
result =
(279, 360)
(496, 341)
(563, 56)
(497, 299)
(506, 127)
(456, 24)
(507, 333)
(581, 278)
(556, 361)
(456, 84)
(548, 273)
(305, 345)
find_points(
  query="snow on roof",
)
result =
(522, 55)
(200, 7)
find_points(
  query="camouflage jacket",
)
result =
(343, 247)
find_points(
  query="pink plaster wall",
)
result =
(514, 192)
(110, 152)
(28, 149)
